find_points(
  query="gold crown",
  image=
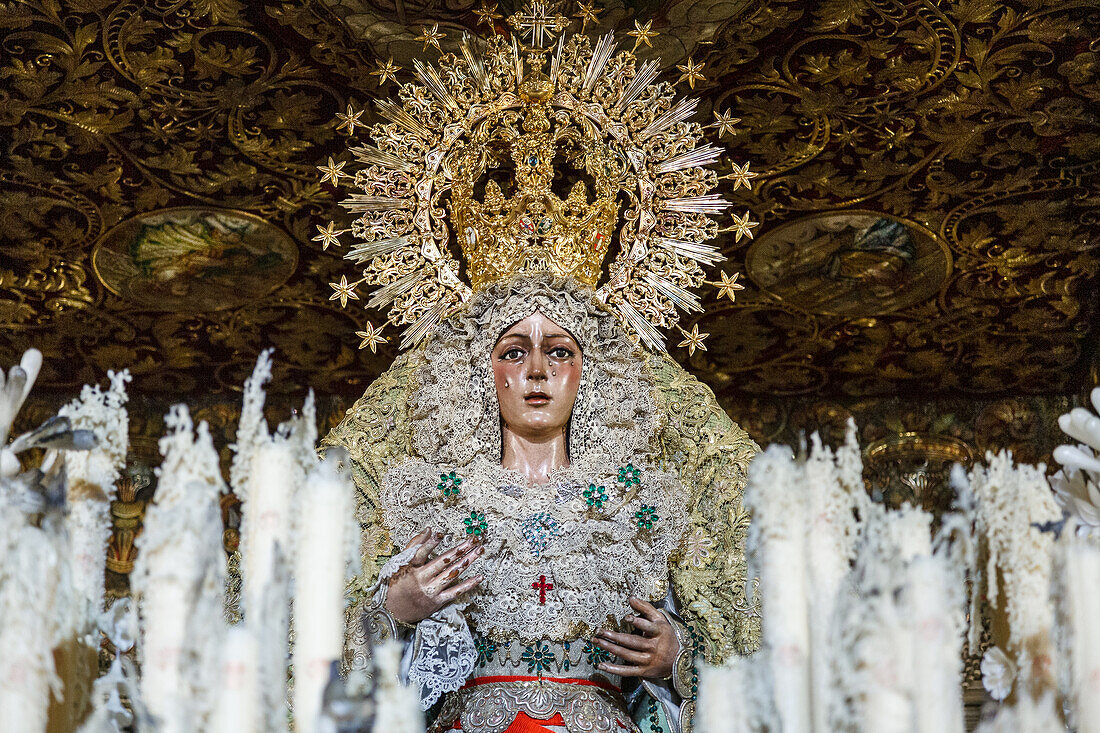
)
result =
(533, 165)
(535, 229)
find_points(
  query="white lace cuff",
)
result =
(442, 654)
(395, 563)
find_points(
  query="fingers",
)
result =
(451, 572)
(456, 590)
(417, 539)
(630, 641)
(426, 549)
(448, 558)
(623, 670)
(622, 652)
(641, 623)
(647, 609)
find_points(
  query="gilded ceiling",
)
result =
(927, 185)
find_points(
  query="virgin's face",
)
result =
(537, 369)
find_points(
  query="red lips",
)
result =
(537, 398)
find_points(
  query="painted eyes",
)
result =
(515, 353)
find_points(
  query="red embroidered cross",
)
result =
(542, 586)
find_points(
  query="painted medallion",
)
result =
(194, 259)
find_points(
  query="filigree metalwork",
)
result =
(913, 468)
(973, 119)
(493, 115)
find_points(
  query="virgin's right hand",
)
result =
(428, 584)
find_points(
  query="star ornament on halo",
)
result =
(724, 121)
(333, 171)
(727, 286)
(386, 71)
(349, 119)
(741, 176)
(343, 291)
(742, 227)
(643, 34)
(372, 338)
(691, 72)
(487, 15)
(328, 235)
(693, 339)
(431, 37)
(587, 13)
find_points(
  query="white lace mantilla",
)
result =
(555, 566)
(455, 413)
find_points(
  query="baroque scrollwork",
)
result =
(968, 127)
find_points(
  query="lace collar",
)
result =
(562, 558)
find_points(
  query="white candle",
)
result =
(398, 708)
(266, 520)
(30, 609)
(323, 539)
(779, 513)
(723, 702)
(238, 696)
(178, 550)
(881, 657)
(935, 639)
(1080, 601)
(1011, 499)
(832, 487)
(91, 479)
(266, 544)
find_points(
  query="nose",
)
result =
(536, 365)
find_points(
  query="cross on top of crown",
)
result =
(540, 20)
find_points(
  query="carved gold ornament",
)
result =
(972, 120)
(531, 146)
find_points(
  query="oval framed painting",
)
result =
(849, 263)
(194, 259)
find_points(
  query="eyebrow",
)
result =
(521, 336)
(526, 337)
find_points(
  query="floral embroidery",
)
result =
(476, 524)
(538, 657)
(697, 547)
(595, 496)
(646, 517)
(629, 476)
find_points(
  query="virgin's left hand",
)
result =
(649, 652)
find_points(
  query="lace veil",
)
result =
(438, 403)
(455, 413)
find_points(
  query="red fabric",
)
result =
(524, 723)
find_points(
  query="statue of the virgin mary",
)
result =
(550, 506)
